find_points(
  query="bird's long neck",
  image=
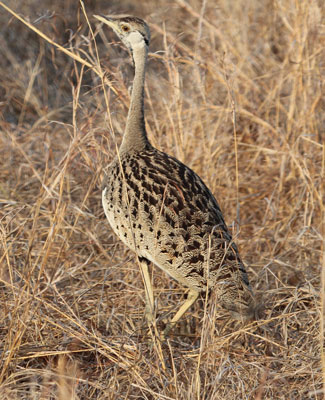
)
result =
(135, 136)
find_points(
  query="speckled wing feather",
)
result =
(162, 210)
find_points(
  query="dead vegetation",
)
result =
(235, 90)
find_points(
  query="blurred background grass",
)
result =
(72, 324)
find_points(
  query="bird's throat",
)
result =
(135, 137)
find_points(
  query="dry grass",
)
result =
(72, 324)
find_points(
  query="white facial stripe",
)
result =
(136, 39)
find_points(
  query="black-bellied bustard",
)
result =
(163, 211)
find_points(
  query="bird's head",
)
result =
(132, 31)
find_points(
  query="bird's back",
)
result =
(163, 211)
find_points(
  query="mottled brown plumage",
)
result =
(163, 211)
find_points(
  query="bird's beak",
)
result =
(106, 20)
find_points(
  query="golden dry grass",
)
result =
(72, 324)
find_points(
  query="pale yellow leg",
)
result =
(149, 292)
(192, 296)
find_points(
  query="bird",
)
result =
(163, 211)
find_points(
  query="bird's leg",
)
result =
(150, 315)
(192, 296)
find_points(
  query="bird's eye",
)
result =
(125, 28)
